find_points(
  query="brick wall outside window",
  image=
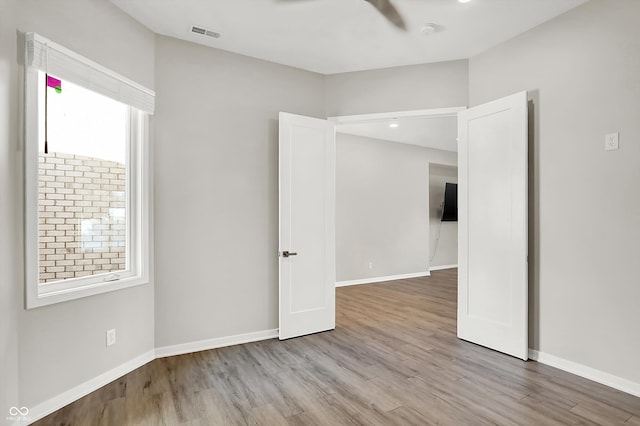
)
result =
(81, 216)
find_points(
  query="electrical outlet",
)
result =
(611, 141)
(111, 337)
(370, 265)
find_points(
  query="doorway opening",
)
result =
(492, 273)
(391, 171)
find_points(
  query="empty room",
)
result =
(319, 212)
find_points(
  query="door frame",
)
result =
(398, 115)
(384, 116)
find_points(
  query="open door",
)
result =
(307, 225)
(492, 225)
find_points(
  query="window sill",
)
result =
(50, 298)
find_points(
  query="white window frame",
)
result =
(140, 101)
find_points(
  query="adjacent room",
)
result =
(319, 212)
(390, 180)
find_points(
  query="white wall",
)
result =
(438, 85)
(583, 73)
(216, 191)
(443, 235)
(10, 240)
(62, 345)
(382, 207)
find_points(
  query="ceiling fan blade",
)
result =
(389, 11)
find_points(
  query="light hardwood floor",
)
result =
(393, 359)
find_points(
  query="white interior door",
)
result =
(492, 225)
(307, 225)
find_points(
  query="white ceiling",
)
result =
(334, 36)
(434, 132)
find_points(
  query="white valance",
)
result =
(62, 63)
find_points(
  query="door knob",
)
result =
(288, 253)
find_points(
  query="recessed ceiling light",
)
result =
(393, 125)
(464, 1)
(428, 29)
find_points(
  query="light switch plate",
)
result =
(611, 141)
(111, 337)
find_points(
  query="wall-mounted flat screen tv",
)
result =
(450, 204)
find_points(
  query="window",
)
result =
(86, 177)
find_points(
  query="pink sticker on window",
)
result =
(55, 83)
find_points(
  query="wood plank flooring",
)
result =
(393, 359)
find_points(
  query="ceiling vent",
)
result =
(205, 32)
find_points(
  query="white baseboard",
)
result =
(581, 370)
(441, 267)
(382, 279)
(47, 407)
(219, 342)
